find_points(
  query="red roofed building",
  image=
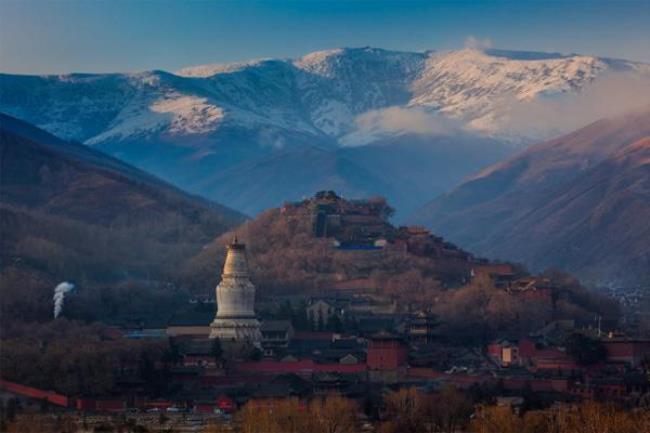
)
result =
(627, 351)
(222, 403)
(386, 358)
(526, 353)
(226, 404)
(386, 352)
(28, 391)
(504, 353)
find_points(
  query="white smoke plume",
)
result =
(59, 296)
(477, 43)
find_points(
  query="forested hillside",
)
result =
(68, 212)
(413, 268)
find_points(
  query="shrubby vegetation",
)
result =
(27, 297)
(90, 253)
(406, 410)
(77, 359)
(449, 411)
(285, 257)
(586, 417)
(331, 414)
(410, 411)
(480, 310)
(80, 216)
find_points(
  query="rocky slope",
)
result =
(580, 202)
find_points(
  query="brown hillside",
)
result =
(69, 212)
(580, 203)
(287, 254)
(292, 251)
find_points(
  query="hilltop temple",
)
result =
(235, 320)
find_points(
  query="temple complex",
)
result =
(235, 320)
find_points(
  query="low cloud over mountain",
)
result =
(204, 122)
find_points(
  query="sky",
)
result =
(52, 37)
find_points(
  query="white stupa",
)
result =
(235, 319)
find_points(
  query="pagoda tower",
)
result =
(235, 320)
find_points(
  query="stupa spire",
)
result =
(235, 319)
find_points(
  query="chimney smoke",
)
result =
(59, 296)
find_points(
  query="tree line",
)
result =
(406, 410)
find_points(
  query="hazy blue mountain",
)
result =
(580, 202)
(224, 122)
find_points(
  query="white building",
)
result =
(235, 320)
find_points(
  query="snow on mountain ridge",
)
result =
(208, 70)
(180, 113)
(338, 85)
(321, 93)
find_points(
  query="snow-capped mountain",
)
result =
(320, 93)
(184, 126)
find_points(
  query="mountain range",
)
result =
(70, 212)
(254, 134)
(580, 202)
